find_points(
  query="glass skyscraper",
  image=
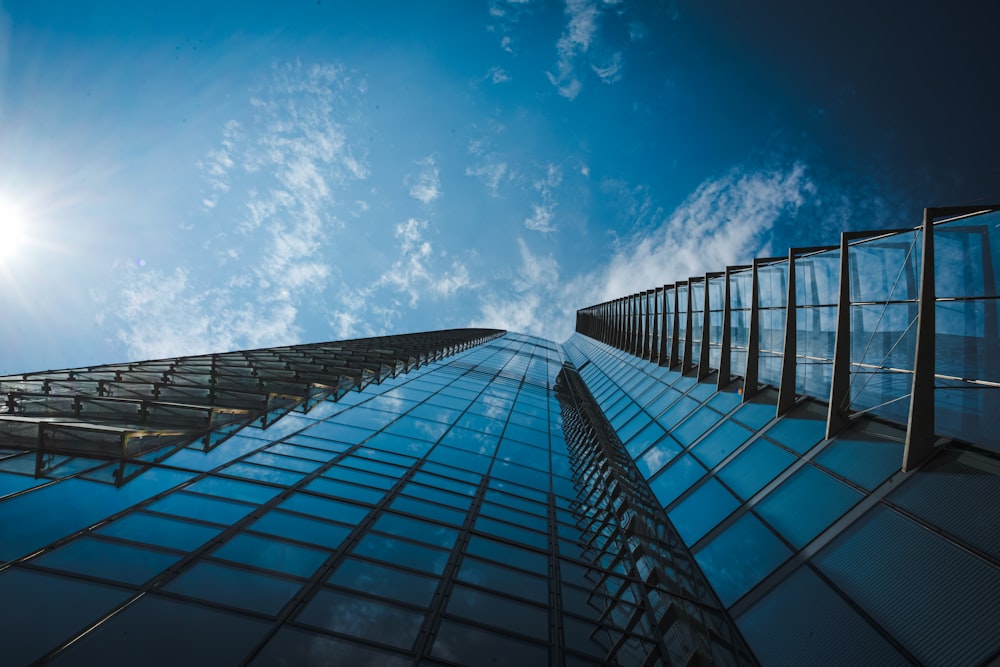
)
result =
(786, 463)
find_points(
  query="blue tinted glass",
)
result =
(340, 489)
(752, 469)
(740, 557)
(814, 622)
(800, 429)
(234, 490)
(806, 503)
(467, 645)
(724, 401)
(695, 425)
(362, 617)
(324, 508)
(271, 554)
(345, 474)
(38, 624)
(676, 479)
(499, 611)
(141, 637)
(291, 646)
(658, 456)
(512, 532)
(514, 516)
(295, 527)
(508, 580)
(263, 473)
(421, 531)
(864, 458)
(520, 475)
(235, 587)
(508, 554)
(286, 462)
(429, 510)
(459, 458)
(722, 442)
(108, 560)
(418, 429)
(759, 411)
(678, 411)
(205, 508)
(391, 550)
(160, 531)
(702, 510)
(401, 445)
(635, 425)
(644, 439)
(387, 582)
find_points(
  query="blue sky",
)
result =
(186, 177)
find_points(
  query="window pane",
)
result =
(363, 617)
(805, 504)
(703, 510)
(235, 587)
(271, 554)
(740, 557)
(385, 582)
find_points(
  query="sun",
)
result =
(13, 232)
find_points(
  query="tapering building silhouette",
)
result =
(790, 462)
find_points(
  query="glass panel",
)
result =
(271, 554)
(801, 428)
(205, 508)
(362, 617)
(235, 587)
(291, 646)
(676, 479)
(400, 552)
(467, 645)
(658, 456)
(385, 582)
(507, 554)
(488, 575)
(892, 568)
(512, 532)
(159, 531)
(429, 510)
(232, 489)
(702, 510)
(396, 524)
(324, 508)
(867, 454)
(108, 560)
(740, 557)
(805, 504)
(499, 611)
(814, 623)
(346, 490)
(38, 624)
(721, 443)
(752, 469)
(295, 527)
(147, 632)
(696, 425)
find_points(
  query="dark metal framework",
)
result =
(674, 337)
(129, 411)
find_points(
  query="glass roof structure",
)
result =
(784, 463)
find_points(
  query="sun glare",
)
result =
(13, 232)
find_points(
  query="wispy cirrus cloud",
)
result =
(418, 273)
(425, 186)
(575, 41)
(273, 182)
(726, 220)
(543, 213)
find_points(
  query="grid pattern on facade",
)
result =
(130, 411)
(821, 534)
(433, 518)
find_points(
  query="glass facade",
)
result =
(732, 469)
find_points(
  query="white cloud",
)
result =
(540, 219)
(725, 221)
(426, 186)
(279, 171)
(612, 71)
(497, 75)
(414, 274)
(574, 42)
(492, 174)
